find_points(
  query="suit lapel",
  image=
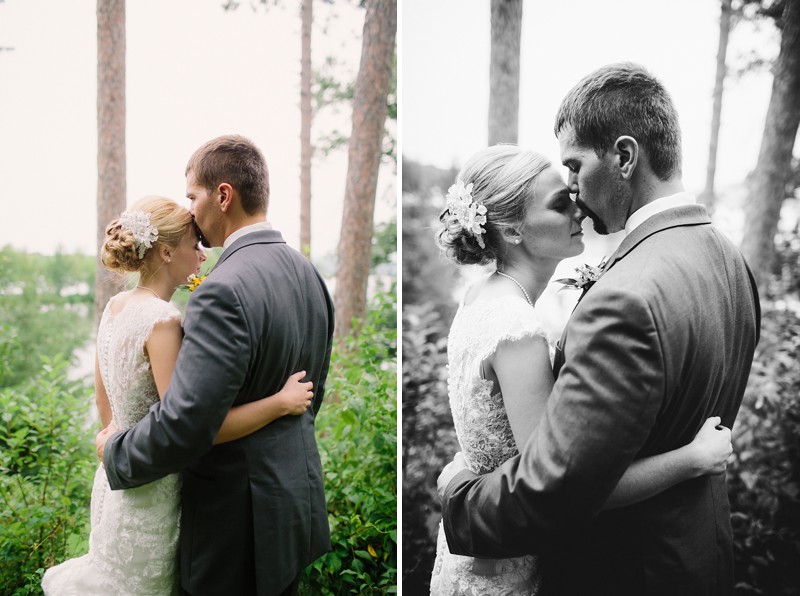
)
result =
(688, 215)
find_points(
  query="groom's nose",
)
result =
(572, 182)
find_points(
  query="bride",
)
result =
(510, 207)
(134, 533)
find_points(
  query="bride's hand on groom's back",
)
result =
(295, 395)
(711, 447)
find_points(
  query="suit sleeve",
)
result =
(208, 375)
(599, 414)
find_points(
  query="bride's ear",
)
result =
(511, 235)
(165, 253)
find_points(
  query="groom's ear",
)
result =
(225, 196)
(626, 152)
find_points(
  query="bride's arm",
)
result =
(706, 454)
(522, 369)
(101, 396)
(294, 398)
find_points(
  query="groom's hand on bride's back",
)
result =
(450, 470)
(102, 437)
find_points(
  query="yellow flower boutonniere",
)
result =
(194, 282)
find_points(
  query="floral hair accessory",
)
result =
(469, 214)
(587, 276)
(138, 223)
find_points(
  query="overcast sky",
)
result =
(194, 72)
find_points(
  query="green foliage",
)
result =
(45, 309)
(329, 92)
(384, 243)
(357, 429)
(46, 468)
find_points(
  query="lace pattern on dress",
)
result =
(124, 365)
(484, 435)
(133, 542)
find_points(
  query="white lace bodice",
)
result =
(485, 437)
(482, 426)
(133, 543)
(124, 365)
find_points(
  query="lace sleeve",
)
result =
(509, 319)
(157, 311)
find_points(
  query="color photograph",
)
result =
(198, 297)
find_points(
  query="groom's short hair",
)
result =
(236, 160)
(624, 99)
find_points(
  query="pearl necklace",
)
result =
(153, 292)
(519, 285)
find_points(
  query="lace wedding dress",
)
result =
(485, 437)
(134, 537)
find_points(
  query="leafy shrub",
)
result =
(357, 428)
(45, 308)
(429, 440)
(47, 463)
(764, 478)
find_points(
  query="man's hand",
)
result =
(450, 470)
(102, 437)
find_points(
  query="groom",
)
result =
(662, 341)
(253, 510)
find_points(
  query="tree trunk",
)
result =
(707, 196)
(364, 155)
(111, 181)
(768, 187)
(506, 23)
(305, 128)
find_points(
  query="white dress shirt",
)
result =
(638, 217)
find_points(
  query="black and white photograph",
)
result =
(600, 297)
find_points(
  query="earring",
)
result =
(517, 241)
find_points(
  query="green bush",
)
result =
(46, 308)
(357, 428)
(47, 463)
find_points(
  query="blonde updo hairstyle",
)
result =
(119, 252)
(503, 177)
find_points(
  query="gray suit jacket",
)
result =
(664, 340)
(253, 510)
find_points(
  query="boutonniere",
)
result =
(587, 276)
(194, 282)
